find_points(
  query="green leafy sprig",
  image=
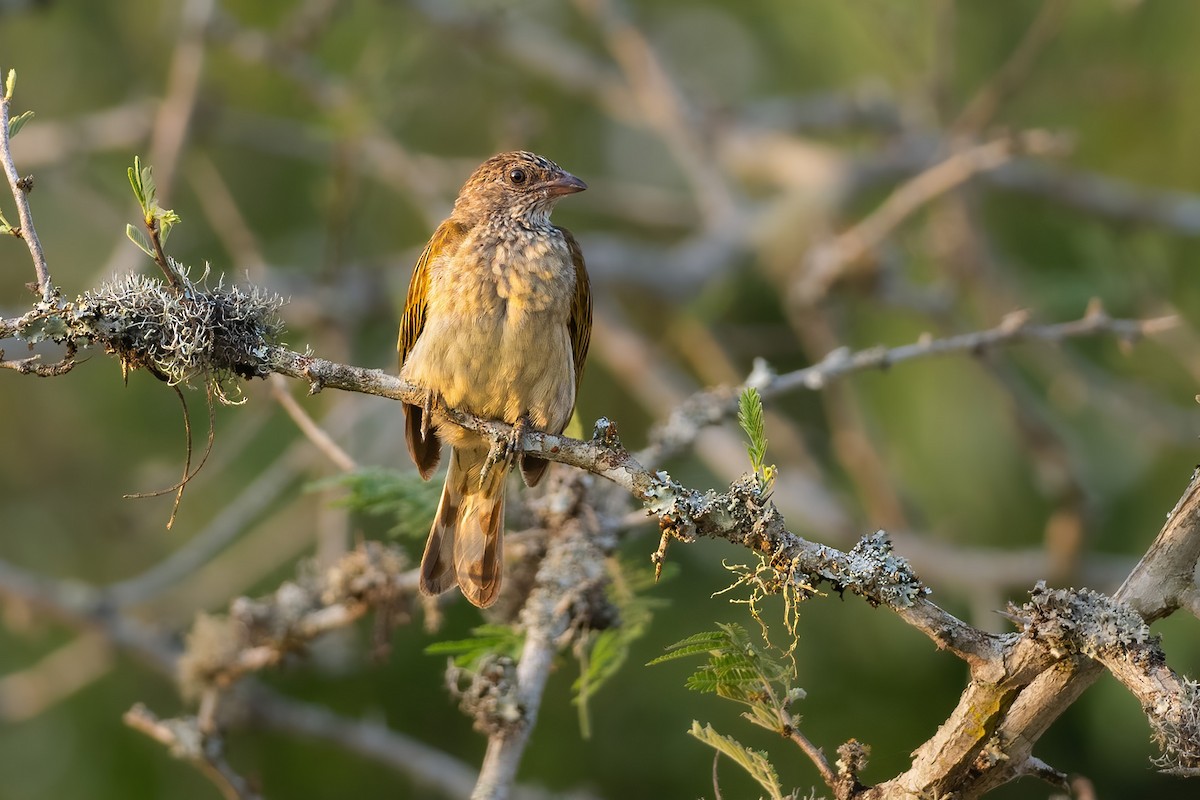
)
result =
(740, 668)
(750, 418)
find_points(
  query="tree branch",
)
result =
(568, 584)
(825, 263)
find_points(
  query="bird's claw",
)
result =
(426, 414)
(505, 449)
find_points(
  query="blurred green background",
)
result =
(312, 146)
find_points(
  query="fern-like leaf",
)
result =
(609, 649)
(486, 640)
(750, 417)
(402, 497)
(754, 762)
(705, 642)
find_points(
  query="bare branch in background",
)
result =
(257, 634)
(825, 263)
(185, 739)
(982, 108)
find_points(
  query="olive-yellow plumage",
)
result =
(496, 323)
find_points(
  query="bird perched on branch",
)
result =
(496, 323)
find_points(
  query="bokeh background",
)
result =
(311, 147)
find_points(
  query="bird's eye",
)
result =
(517, 176)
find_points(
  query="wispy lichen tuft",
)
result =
(214, 334)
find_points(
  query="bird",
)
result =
(496, 323)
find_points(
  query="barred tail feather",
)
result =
(437, 564)
(466, 542)
(479, 548)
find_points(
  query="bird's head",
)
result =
(517, 186)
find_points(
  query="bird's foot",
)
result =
(431, 399)
(505, 449)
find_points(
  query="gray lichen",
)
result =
(1087, 622)
(214, 334)
(745, 515)
(1176, 731)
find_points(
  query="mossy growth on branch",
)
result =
(215, 334)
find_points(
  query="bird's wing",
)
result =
(423, 443)
(580, 323)
(444, 240)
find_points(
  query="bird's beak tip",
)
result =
(566, 183)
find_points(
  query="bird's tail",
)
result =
(466, 541)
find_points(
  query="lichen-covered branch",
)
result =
(221, 334)
(1113, 634)
(567, 597)
(258, 633)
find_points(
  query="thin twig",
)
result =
(815, 754)
(259, 633)
(182, 92)
(338, 98)
(232, 520)
(20, 192)
(983, 106)
(185, 740)
(188, 472)
(308, 426)
(87, 610)
(56, 676)
(370, 739)
(714, 405)
(663, 109)
(825, 263)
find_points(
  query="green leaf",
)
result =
(739, 669)
(135, 180)
(764, 717)
(755, 762)
(706, 642)
(608, 649)
(136, 236)
(149, 188)
(167, 219)
(607, 654)
(486, 640)
(10, 84)
(404, 498)
(750, 417)
(16, 123)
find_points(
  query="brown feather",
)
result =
(580, 324)
(580, 328)
(426, 451)
(466, 544)
(437, 564)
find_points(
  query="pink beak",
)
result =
(564, 183)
